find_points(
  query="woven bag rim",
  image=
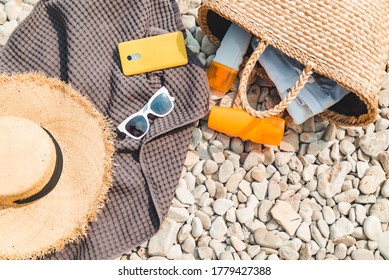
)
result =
(368, 96)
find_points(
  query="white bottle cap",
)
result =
(233, 47)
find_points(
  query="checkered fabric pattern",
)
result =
(77, 41)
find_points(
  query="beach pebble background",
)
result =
(322, 194)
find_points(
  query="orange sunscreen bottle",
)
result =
(238, 123)
(225, 66)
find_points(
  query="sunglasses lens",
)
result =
(137, 126)
(161, 105)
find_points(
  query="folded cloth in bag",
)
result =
(77, 41)
(346, 41)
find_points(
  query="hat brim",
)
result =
(85, 139)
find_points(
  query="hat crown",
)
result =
(27, 159)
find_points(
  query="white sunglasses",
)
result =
(137, 125)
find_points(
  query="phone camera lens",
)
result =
(129, 57)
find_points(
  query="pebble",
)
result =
(161, 243)
(205, 253)
(340, 251)
(346, 147)
(373, 144)
(328, 215)
(325, 157)
(190, 181)
(178, 214)
(295, 164)
(184, 232)
(198, 168)
(197, 227)
(362, 254)
(362, 168)
(383, 157)
(320, 240)
(257, 174)
(308, 137)
(237, 244)
(224, 139)
(341, 228)
(383, 245)
(372, 180)
(192, 43)
(316, 147)
(189, 22)
(290, 143)
(245, 188)
(288, 253)
(207, 46)
(344, 208)
(380, 209)
(273, 257)
(184, 6)
(323, 227)
(237, 145)
(281, 158)
(264, 211)
(3, 16)
(285, 215)
(235, 230)
(174, 253)
(383, 98)
(205, 219)
(233, 182)
(303, 232)
(210, 167)
(6, 29)
(225, 171)
(218, 228)
(274, 190)
(231, 215)
(372, 228)
(209, 58)
(12, 10)
(385, 189)
(331, 180)
(254, 158)
(202, 57)
(253, 250)
(269, 156)
(244, 214)
(216, 154)
(330, 132)
(221, 206)
(226, 256)
(360, 213)
(347, 196)
(185, 196)
(267, 239)
(198, 191)
(260, 189)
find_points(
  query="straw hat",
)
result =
(346, 41)
(55, 165)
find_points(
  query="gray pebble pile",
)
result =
(322, 194)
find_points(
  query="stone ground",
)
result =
(242, 200)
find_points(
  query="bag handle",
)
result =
(241, 98)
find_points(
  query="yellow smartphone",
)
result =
(153, 53)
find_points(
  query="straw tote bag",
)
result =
(346, 41)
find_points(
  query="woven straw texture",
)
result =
(77, 41)
(347, 41)
(62, 216)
